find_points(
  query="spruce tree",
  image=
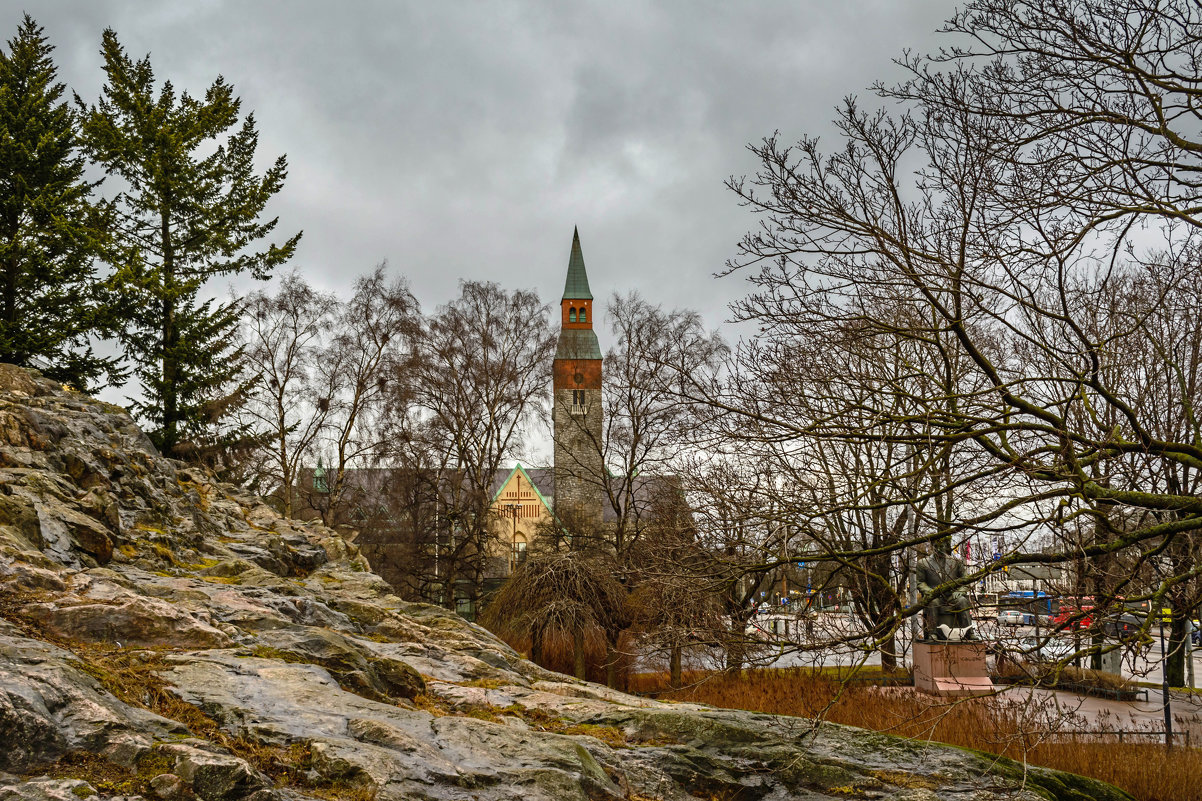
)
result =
(50, 231)
(191, 211)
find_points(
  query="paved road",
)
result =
(1101, 713)
(1076, 712)
(834, 641)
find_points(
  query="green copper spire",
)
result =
(577, 284)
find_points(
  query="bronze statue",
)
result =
(945, 617)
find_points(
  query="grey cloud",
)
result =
(464, 140)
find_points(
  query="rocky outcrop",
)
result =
(169, 637)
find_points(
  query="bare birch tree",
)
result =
(284, 335)
(647, 425)
(478, 380)
(361, 368)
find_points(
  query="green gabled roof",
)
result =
(517, 468)
(577, 283)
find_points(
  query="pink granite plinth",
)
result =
(951, 668)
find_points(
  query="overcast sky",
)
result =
(464, 140)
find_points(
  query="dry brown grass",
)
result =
(109, 777)
(1148, 772)
(558, 656)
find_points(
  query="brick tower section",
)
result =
(576, 381)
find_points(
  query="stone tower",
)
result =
(576, 380)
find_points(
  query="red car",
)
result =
(1072, 618)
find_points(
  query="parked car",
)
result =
(1049, 649)
(1014, 617)
(1122, 626)
(1072, 618)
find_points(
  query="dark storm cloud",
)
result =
(464, 140)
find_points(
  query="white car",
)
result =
(1013, 617)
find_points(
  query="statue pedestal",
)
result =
(951, 668)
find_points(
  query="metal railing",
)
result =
(1123, 735)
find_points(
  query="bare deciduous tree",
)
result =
(647, 425)
(285, 333)
(478, 379)
(1024, 177)
(359, 370)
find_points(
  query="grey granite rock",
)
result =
(214, 777)
(280, 655)
(48, 706)
(41, 789)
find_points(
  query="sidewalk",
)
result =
(1089, 712)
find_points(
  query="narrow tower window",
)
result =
(584, 315)
(572, 315)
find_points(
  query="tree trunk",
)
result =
(674, 680)
(11, 273)
(170, 339)
(448, 586)
(578, 652)
(734, 656)
(1175, 661)
(170, 379)
(737, 646)
(889, 653)
(281, 425)
(611, 666)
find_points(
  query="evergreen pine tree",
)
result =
(191, 212)
(50, 231)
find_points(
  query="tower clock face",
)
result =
(578, 378)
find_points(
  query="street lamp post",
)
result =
(1164, 685)
(1158, 610)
